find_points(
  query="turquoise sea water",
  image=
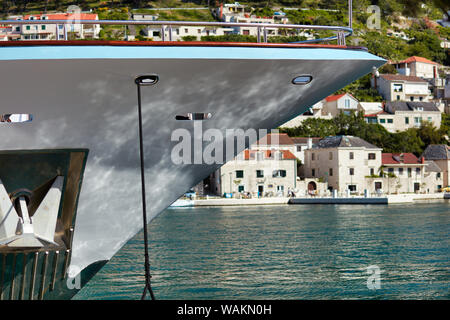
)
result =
(287, 252)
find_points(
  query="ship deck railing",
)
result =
(262, 28)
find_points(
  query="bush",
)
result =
(189, 38)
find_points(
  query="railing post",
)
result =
(265, 35)
(258, 34)
(163, 35)
(170, 33)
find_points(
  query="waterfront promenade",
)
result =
(384, 199)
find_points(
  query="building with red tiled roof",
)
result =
(410, 173)
(340, 103)
(275, 139)
(257, 173)
(268, 154)
(62, 31)
(400, 159)
(418, 67)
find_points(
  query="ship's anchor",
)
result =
(147, 80)
(17, 228)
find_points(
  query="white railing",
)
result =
(341, 32)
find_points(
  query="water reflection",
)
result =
(287, 252)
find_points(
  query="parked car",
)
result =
(446, 189)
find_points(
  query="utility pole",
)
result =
(350, 13)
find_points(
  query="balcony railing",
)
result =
(262, 28)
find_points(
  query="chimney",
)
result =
(309, 143)
(422, 159)
(375, 75)
(434, 73)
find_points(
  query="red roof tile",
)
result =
(336, 97)
(287, 155)
(304, 140)
(399, 158)
(271, 138)
(64, 16)
(400, 77)
(417, 59)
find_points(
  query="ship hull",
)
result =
(86, 97)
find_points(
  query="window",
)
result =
(331, 172)
(239, 173)
(60, 27)
(391, 170)
(299, 148)
(240, 188)
(406, 120)
(352, 187)
(372, 171)
(313, 157)
(417, 170)
(330, 156)
(378, 185)
(279, 174)
(429, 119)
(382, 120)
(260, 173)
(372, 156)
(43, 27)
(398, 97)
(420, 98)
(409, 172)
(313, 172)
(400, 171)
(280, 188)
(438, 175)
(28, 27)
(260, 157)
(352, 171)
(186, 31)
(300, 80)
(347, 103)
(398, 87)
(411, 98)
(390, 120)
(351, 156)
(18, 29)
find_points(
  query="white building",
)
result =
(396, 87)
(56, 31)
(343, 162)
(178, 32)
(236, 12)
(417, 67)
(440, 154)
(143, 16)
(278, 141)
(258, 173)
(340, 103)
